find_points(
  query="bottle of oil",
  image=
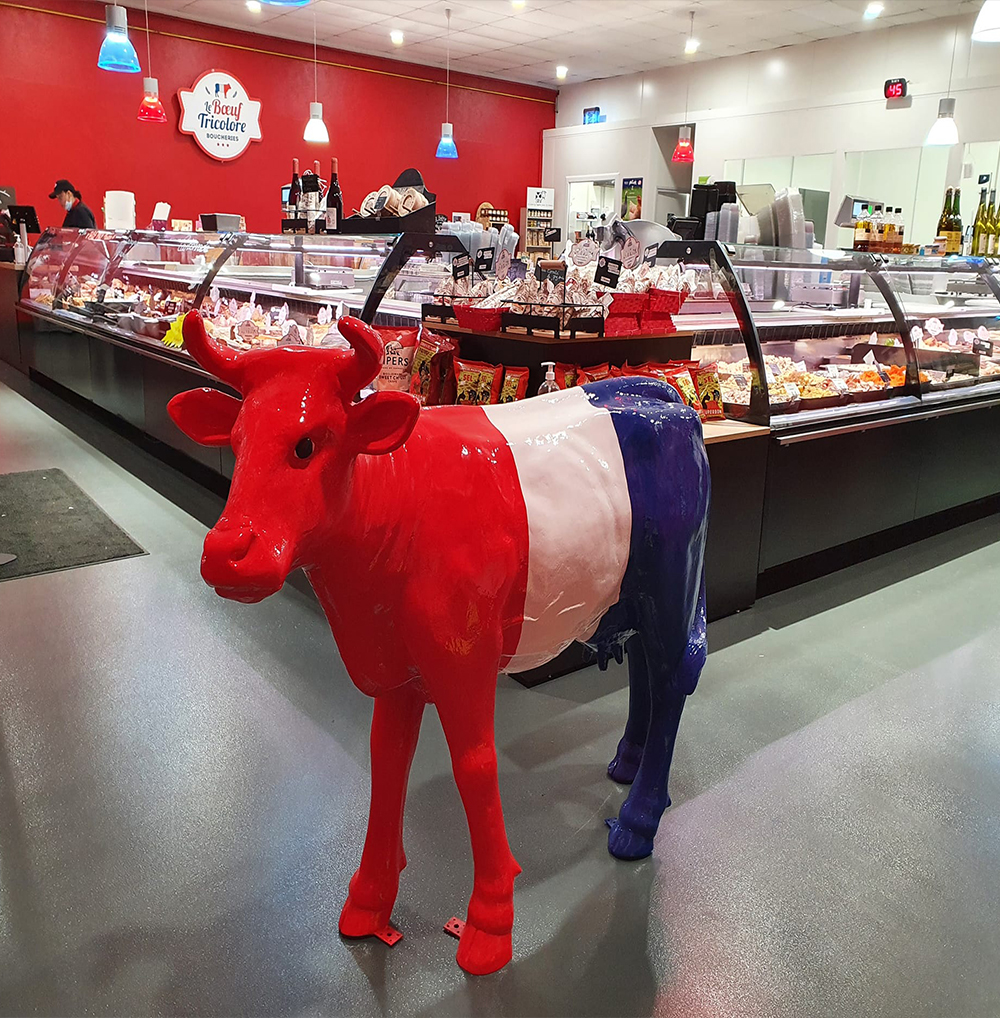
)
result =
(899, 232)
(876, 231)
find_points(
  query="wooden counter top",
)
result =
(728, 431)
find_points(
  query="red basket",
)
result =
(621, 325)
(479, 319)
(668, 301)
(627, 303)
(657, 322)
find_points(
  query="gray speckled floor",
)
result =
(183, 789)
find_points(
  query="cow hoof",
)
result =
(625, 765)
(356, 921)
(481, 953)
(626, 844)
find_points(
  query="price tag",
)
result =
(607, 299)
(768, 374)
(608, 271)
(379, 204)
(484, 259)
(554, 276)
(839, 384)
(247, 330)
(982, 346)
(274, 314)
(552, 236)
(461, 266)
(882, 374)
(793, 391)
(869, 358)
(833, 370)
(584, 252)
(171, 307)
(649, 254)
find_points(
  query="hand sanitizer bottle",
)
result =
(549, 385)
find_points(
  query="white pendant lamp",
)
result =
(987, 27)
(944, 130)
(446, 146)
(315, 126)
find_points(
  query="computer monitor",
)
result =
(24, 214)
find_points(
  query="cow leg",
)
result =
(629, 754)
(372, 893)
(673, 676)
(467, 720)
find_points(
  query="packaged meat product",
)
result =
(706, 378)
(466, 381)
(566, 375)
(515, 384)
(397, 358)
(621, 325)
(432, 379)
(490, 378)
(598, 372)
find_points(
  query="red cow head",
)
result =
(296, 433)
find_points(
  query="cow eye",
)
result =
(304, 449)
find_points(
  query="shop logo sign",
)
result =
(219, 115)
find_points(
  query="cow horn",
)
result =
(368, 349)
(222, 361)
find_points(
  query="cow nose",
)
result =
(229, 541)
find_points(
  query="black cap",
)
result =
(62, 185)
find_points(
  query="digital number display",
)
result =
(895, 88)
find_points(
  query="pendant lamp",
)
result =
(117, 53)
(315, 126)
(944, 130)
(446, 146)
(150, 109)
(987, 27)
(684, 150)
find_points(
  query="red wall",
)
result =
(63, 117)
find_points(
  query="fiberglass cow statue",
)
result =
(449, 543)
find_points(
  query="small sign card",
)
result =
(608, 271)
(484, 259)
(552, 235)
(461, 266)
(649, 254)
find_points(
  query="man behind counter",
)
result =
(77, 214)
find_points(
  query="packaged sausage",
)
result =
(515, 384)
(566, 375)
(466, 381)
(397, 358)
(706, 378)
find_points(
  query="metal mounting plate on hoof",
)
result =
(454, 926)
(389, 936)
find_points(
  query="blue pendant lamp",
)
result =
(117, 53)
(446, 146)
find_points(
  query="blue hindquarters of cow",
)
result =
(666, 468)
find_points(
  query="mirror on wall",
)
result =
(811, 174)
(912, 179)
(979, 158)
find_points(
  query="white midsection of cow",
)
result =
(572, 478)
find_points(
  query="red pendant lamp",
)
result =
(150, 109)
(684, 150)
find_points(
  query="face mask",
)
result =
(68, 204)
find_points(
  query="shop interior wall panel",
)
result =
(160, 383)
(10, 348)
(116, 381)
(734, 524)
(383, 116)
(960, 459)
(828, 491)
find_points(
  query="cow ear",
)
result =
(206, 415)
(382, 422)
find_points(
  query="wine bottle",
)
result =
(334, 200)
(955, 224)
(294, 192)
(992, 224)
(979, 226)
(944, 218)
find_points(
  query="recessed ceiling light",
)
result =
(561, 72)
(691, 46)
(873, 10)
(253, 6)
(518, 5)
(396, 36)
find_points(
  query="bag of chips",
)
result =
(432, 379)
(466, 381)
(680, 378)
(566, 375)
(490, 380)
(397, 358)
(598, 372)
(515, 384)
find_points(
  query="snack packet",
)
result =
(466, 381)
(515, 384)
(706, 378)
(397, 358)
(566, 375)
(432, 379)
(490, 379)
(598, 372)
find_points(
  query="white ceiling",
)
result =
(593, 38)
